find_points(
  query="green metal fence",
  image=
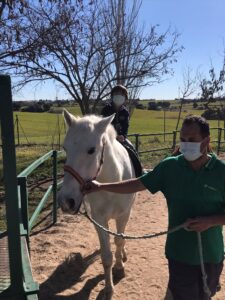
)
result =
(18, 283)
(29, 221)
(16, 280)
(170, 139)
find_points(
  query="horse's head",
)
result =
(84, 145)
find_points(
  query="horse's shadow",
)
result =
(67, 275)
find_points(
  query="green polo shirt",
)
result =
(190, 194)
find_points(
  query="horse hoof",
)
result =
(108, 295)
(124, 258)
(118, 274)
(124, 255)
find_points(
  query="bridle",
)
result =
(80, 179)
(77, 176)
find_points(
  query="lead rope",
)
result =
(204, 275)
(148, 236)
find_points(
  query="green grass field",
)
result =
(44, 127)
(47, 130)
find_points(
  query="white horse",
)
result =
(93, 151)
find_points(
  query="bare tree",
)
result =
(10, 16)
(5, 4)
(189, 86)
(141, 57)
(77, 44)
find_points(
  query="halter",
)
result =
(77, 176)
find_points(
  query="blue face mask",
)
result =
(190, 150)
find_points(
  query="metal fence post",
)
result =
(54, 162)
(22, 181)
(174, 139)
(137, 142)
(219, 140)
(10, 182)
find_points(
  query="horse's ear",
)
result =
(101, 126)
(69, 118)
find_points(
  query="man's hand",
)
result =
(120, 138)
(90, 187)
(199, 224)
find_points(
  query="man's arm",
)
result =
(124, 187)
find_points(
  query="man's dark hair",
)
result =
(200, 121)
(120, 88)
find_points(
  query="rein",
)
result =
(77, 176)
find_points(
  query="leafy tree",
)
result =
(213, 87)
(195, 104)
(163, 104)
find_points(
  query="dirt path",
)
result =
(67, 265)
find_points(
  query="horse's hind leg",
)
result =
(120, 253)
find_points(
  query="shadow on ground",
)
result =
(68, 274)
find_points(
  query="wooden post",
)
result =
(219, 140)
(174, 139)
(17, 130)
(224, 130)
(59, 140)
(164, 124)
(137, 142)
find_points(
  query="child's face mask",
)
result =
(190, 150)
(118, 100)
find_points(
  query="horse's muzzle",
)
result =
(69, 206)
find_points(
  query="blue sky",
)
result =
(202, 33)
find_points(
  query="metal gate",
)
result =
(16, 280)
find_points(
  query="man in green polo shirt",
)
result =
(193, 184)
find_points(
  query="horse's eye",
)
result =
(91, 150)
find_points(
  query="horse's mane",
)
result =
(89, 121)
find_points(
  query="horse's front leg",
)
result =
(120, 253)
(107, 260)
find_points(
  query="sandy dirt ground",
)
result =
(67, 265)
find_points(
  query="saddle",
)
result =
(134, 157)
